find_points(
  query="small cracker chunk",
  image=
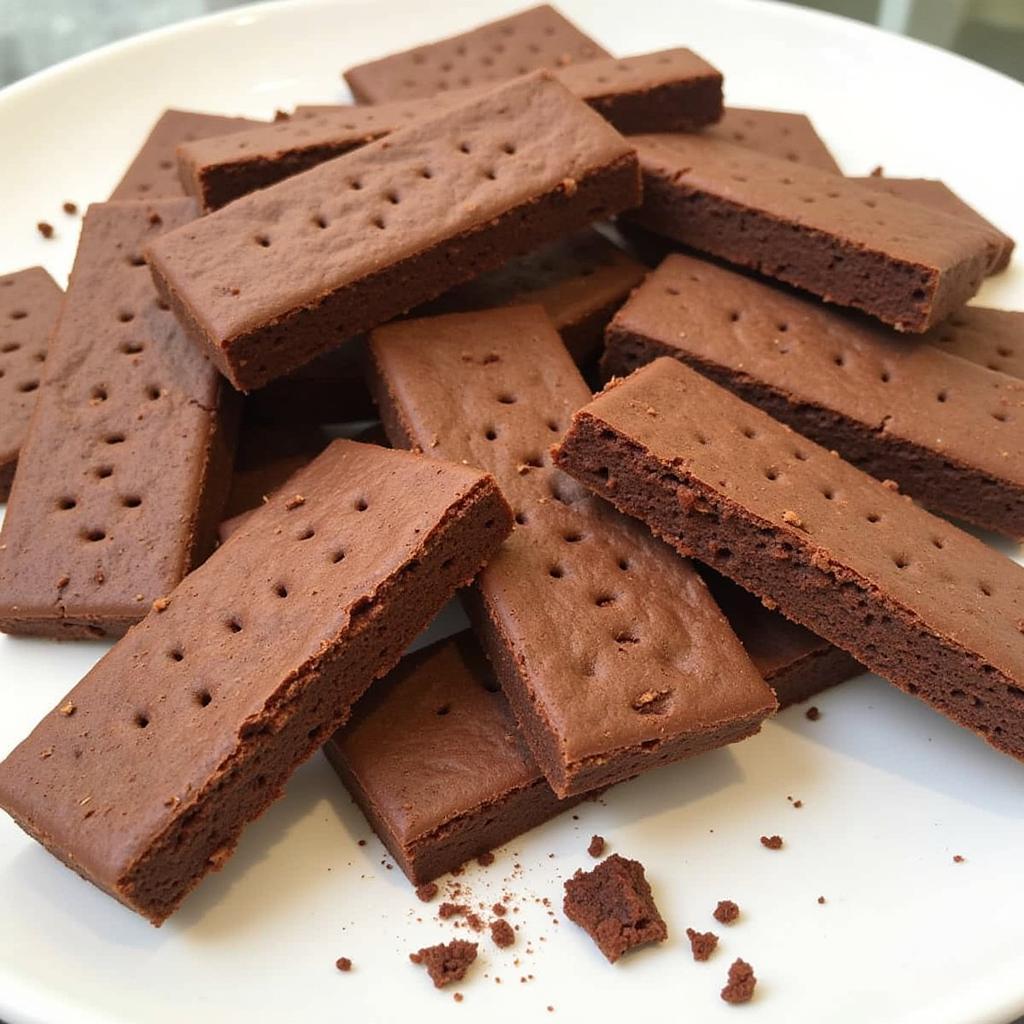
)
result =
(502, 933)
(740, 987)
(614, 905)
(447, 961)
(726, 912)
(702, 944)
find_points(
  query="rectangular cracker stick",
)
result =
(540, 37)
(794, 662)
(125, 466)
(153, 173)
(949, 432)
(435, 760)
(607, 645)
(144, 776)
(29, 303)
(993, 338)
(908, 265)
(776, 133)
(279, 276)
(929, 192)
(910, 596)
(674, 90)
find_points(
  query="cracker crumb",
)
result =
(740, 986)
(770, 603)
(726, 912)
(502, 933)
(772, 842)
(45, 229)
(63, 582)
(569, 186)
(702, 944)
(447, 961)
(161, 604)
(68, 709)
(891, 485)
(812, 714)
(793, 519)
(294, 502)
(343, 964)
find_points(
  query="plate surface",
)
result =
(890, 791)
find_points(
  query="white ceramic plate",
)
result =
(890, 790)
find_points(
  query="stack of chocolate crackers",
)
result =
(797, 402)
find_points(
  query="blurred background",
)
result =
(37, 33)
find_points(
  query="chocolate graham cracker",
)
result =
(142, 779)
(776, 133)
(794, 662)
(949, 432)
(434, 758)
(153, 174)
(906, 264)
(537, 38)
(605, 679)
(929, 192)
(674, 90)
(124, 469)
(993, 338)
(279, 276)
(910, 596)
(29, 303)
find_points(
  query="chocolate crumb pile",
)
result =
(726, 912)
(596, 847)
(45, 229)
(702, 944)
(427, 892)
(447, 961)
(772, 842)
(740, 986)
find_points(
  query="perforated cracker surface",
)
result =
(29, 303)
(128, 448)
(528, 41)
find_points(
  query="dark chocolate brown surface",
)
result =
(29, 303)
(908, 265)
(637, 681)
(124, 470)
(528, 41)
(949, 432)
(279, 276)
(909, 595)
(145, 774)
(434, 758)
